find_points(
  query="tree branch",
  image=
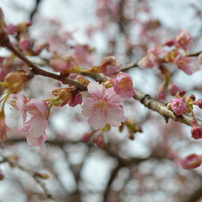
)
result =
(33, 174)
(161, 108)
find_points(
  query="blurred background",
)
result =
(146, 169)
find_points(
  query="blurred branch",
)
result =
(35, 9)
(195, 196)
(33, 174)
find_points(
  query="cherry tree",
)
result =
(120, 123)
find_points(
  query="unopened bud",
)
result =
(82, 79)
(198, 103)
(181, 93)
(99, 141)
(65, 94)
(14, 82)
(42, 175)
(110, 66)
(191, 161)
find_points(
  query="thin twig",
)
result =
(33, 174)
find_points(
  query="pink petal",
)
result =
(115, 115)
(38, 124)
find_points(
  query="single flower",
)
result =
(103, 106)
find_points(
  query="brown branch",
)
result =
(41, 72)
(35, 9)
(162, 109)
(33, 174)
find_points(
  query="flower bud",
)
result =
(81, 79)
(178, 105)
(110, 66)
(77, 99)
(86, 136)
(191, 161)
(24, 43)
(181, 93)
(99, 141)
(196, 130)
(123, 85)
(65, 94)
(173, 89)
(14, 82)
(11, 29)
(198, 103)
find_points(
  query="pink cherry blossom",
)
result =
(103, 106)
(184, 40)
(191, 161)
(178, 105)
(187, 64)
(152, 58)
(33, 141)
(36, 125)
(64, 65)
(123, 85)
(145, 62)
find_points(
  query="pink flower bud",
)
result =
(191, 161)
(99, 141)
(169, 42)
(196, 130)
(11, 29)
(24, 43)
(173, 89)
(77, 99)
(86, 136)
(110, 66)
(181, 93)
(123, 85)
(178, 105)
(198, 103)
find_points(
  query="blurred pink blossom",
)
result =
(184, 40)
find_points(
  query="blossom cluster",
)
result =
(178, 54)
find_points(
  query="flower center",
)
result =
(100, 107)
(125, 84)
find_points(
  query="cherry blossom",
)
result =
(123, 85)
(187, 64)
(103, 106)
(184, 40)
(178, 105)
